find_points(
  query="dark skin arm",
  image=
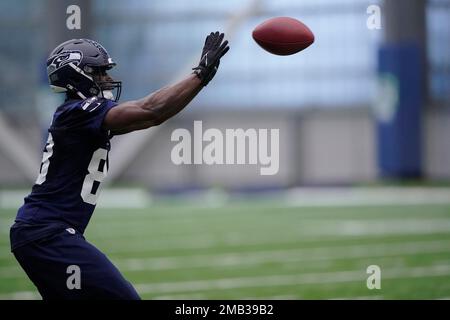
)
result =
(163, 104)
(153, 109)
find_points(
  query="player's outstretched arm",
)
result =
(153, 109)
(163, 104)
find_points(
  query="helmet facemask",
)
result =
(108, 88)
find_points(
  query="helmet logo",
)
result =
(63, 59)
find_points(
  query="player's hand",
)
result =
(214, 49)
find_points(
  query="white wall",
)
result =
(337, 147)
(316, 147)
(436, 144)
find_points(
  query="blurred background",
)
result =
(364, 120)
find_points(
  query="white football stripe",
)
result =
(289, 280)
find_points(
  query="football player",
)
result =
(47, 236)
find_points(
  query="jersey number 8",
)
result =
(98, 169)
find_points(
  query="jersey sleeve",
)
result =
(87, 116)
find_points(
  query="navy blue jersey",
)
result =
(74, 163)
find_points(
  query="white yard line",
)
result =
(306, 228)
(307, 232)
(382, 196)
(270, 281)
(111, 198)
(289, 280)
(280, 256)
(191, 227)
(21, 295)
(297, 197)
(256, 258)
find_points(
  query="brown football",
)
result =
(283, 36)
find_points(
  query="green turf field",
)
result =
(256, 250)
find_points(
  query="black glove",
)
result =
(213, 50)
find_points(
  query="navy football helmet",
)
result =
(74, 66)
